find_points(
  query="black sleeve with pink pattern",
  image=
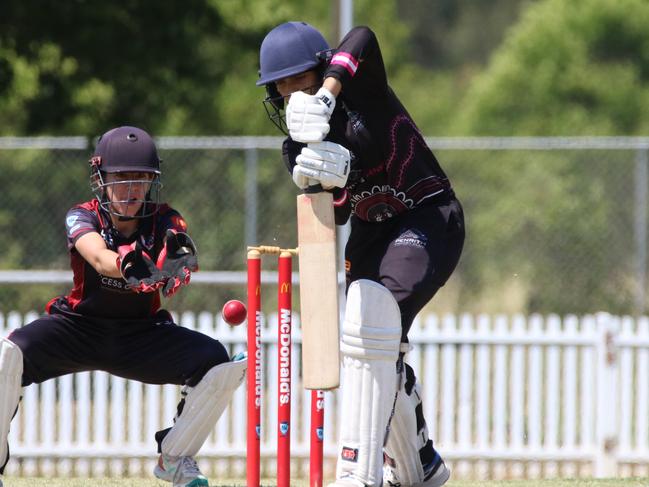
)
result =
(358, 61)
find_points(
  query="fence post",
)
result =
(640, 226)
(607, 403)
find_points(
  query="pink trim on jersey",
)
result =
(346, 60)
(342, 200)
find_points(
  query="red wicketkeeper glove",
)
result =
(178, 260)
(138, 269)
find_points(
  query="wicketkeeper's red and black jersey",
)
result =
(102, 296)
(392, 170)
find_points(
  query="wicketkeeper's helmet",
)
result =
(289, 49)
(126, 149)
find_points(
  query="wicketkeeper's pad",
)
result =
(11, 372)
(203, 406)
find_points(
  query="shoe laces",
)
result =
(189, 466)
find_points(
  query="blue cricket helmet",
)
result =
(289, 49)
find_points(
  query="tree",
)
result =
(554, 219)
(79, 67)
(566, 68)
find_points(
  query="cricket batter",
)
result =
(125, 247)
(349, 132)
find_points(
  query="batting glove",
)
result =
(307, 116)
(301, 180)
(178, 260)
(326, 163)
(138, 270)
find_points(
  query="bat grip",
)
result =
(316, 188)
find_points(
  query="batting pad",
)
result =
(204, 404)
(406, 437)
(371, 337)
(11, 372)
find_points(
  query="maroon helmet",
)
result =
(126, 150)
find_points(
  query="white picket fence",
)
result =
(504, 397)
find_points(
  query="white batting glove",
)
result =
(326, 163)
(307, 116)
(302, 180)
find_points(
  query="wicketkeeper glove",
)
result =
(326, 163)
(307, 116)
(138, 269)
(178, 259)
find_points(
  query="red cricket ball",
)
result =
(234, 312)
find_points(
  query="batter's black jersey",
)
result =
(392, 169)
(100, 296)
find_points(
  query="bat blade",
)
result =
(318, 291)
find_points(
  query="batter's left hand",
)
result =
(178, 259)
(326, 163)
(307, 116)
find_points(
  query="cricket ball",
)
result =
(234, 312)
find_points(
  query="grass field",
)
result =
(59, 482)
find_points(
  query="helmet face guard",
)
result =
(274, 106)
(127, 193)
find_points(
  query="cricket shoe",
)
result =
(181, 471)
(437, 475)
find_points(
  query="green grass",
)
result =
(61, 482)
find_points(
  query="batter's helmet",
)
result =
(126, 149)
(289, 49)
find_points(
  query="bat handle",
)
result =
(315, 188)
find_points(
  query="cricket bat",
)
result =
(318, 289)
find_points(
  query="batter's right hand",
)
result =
(138, 269)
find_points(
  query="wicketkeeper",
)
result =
(349, 132)
(125, 248)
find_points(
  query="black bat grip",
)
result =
(316, 188)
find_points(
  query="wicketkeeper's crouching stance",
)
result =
(125, 246)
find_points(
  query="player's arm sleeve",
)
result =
(290, 150)
(78, 222)
(358, 61)
(342, 206)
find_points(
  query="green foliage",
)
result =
(186, 69)
(547, 224)
(567, 68)
(94, 66)
(450, 33)
(540, 225)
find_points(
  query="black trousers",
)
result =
(154, 351)
(412, 255)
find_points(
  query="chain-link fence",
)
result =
(554, 225)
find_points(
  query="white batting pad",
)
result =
(408, 444)
(204, 404)
(370, 345)
(405, 440)
(11, 372)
